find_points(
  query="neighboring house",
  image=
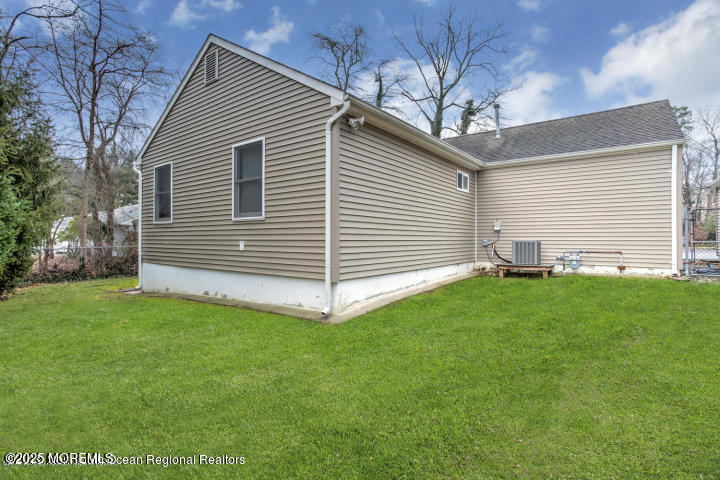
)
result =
(264, 185)
(125, 218)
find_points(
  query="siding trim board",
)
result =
(584, 153)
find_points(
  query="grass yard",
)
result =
(577, 377)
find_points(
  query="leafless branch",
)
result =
(345, 52)
(447, 57)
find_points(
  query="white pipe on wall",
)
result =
(136, 165)
(328, 203)
(674, 209)
(476, 232)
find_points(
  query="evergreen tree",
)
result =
(27, 175)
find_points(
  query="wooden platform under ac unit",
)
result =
(544, 269)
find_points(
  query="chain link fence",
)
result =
(702, 249)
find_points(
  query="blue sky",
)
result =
(566, 57)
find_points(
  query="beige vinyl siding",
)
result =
(247, 101)
(616, 202)
(400, 208)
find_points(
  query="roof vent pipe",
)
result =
(497, 120)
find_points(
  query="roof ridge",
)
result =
(564, 118)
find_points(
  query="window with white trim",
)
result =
(162, 193)
(463, 181)
(249, 180)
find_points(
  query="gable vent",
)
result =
(211, 66)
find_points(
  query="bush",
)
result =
(70, 269)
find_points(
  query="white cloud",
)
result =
(279, 31)
(379, 15)
(226, 6)
(675, 59)
(184, 15)
(620, 30)
(142, 6)
(530, 5)
(531, 100)
(427, 3)
(522, 61)
(540, 34)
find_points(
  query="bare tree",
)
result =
(458, 50)
(387, 81)
(345, 52)
(710, 122)
(12, 45)
(101, 69)
(684, 118)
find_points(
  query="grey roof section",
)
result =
(620, 127)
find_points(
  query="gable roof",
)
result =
(645, 124)
(336, 95)
(374, 115)
(638, 125)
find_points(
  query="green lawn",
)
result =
(577, 377)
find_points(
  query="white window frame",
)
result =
(466, 176)
(217, 70)
(262, 183)
(155, 220)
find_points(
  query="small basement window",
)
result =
(211, 66)
(463, 181)
(249, 180)
(163, 193)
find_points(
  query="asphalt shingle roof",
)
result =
(637, 124)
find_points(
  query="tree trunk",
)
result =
(437, 123)
(109, 206)
(84, 207)
(379, 96)
(466, 116)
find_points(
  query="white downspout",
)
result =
(136, 164)
(674, 210)
(475, 232)
(328, 203)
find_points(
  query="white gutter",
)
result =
(674, 209)
(136, 164)
(328, 204)
(400, 128)
(582, 153)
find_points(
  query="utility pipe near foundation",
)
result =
(565, 254)
(328, 203)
